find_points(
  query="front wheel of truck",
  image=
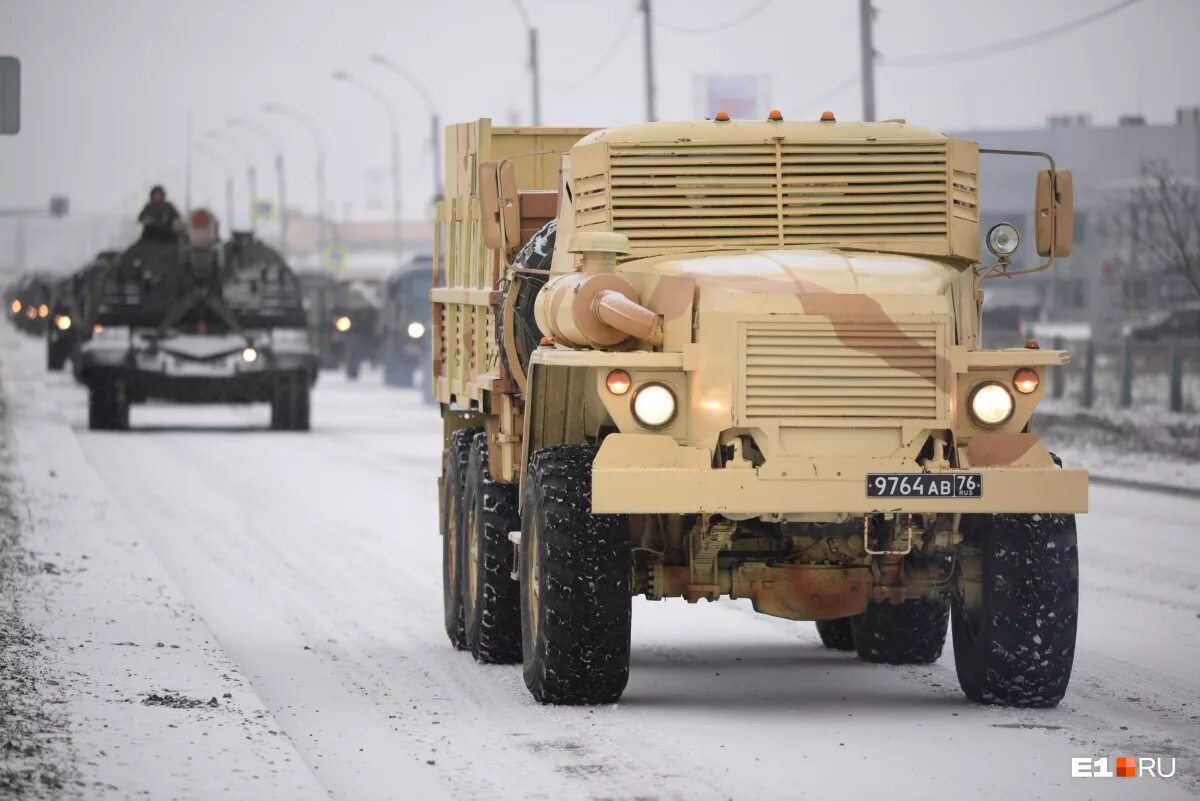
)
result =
(290, 403)
(575, 573)
(908, 633)
(491, 599)
(108, 405)
(450, 488)
(836, 634)
(1015, 608)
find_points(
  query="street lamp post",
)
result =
(394, 123)
(435, 133)
(283, 111)
(251, 174)
(535, 73)
(280, 180)
(224, 165)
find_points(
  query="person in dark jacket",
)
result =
(160, 219)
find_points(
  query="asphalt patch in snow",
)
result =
(36, 759)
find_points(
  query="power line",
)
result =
(609, 55)
(833, 91)
(714, 28)
(994, 48)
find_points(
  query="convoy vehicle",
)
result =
(741, 359)
(318, 288)
(405, 327)
(28, 303)
(354, 322)
(199, 321)
(68, 310)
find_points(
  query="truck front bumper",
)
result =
(643, 474)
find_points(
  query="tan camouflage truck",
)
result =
(741, 359)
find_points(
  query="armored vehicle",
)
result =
(743, 361)
(69, 311)
(318, 288)
(199, 321)
(355, 335)
(28, 303)
(405, 326)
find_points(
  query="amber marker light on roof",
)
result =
(722, 116)
(775, 116)
(827, 116)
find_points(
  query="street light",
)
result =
(280, 182)
(394, 122)
(251, 175)
(284, 111)
(224, 165)
(534, 71)
(435, 125)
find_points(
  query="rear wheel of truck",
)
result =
(908, 633)
(836, 634)
(491, 599)
(1015, 609)
(108, 405)
(450, 488)
(290, 403)
(575, 574)
(353, 365)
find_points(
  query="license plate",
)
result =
(924, 485)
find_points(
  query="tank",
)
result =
(198, 321)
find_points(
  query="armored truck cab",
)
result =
(355, 332)
(70, 310)
(744, 361)
(200, 321)
(405, 325)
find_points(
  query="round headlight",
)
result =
(249, 355)
(63, 322)
(15, 306)
(991, 404)
(1003, 239)
(416, 330)
(618, 382)
(43, 310)
(1026, 380)
(342, 323)
(654, 406)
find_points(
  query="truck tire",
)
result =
(1018, 646)
(837, 634)
(575, 584)
(290, 403)
(56, 355)
(108, 405)
(908, 633)
(353, 365)
(450, 488)
(491, 599)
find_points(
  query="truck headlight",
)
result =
(416, 330)
(63, 322)
(342, 323)
(654, 405)
(991, 404)
(1003, 239)
(250, 355)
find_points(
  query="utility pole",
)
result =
(435, 136)
(280, 179)
(866, 20)
(536, 78)
(648, 58)
(275, 108)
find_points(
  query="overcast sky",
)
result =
(109, 85)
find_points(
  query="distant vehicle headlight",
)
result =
(342, 323)
(43, 310)
(416, 330)
(63, 322)
(98, 328)
(654, 405)
(15, 306)
(1003, 239)
(250, 355)
(991, 404)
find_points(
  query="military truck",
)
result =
(317, 288)
(740, 359)
(354, 321)
(69, 309)
(405, 327)
(199, 321)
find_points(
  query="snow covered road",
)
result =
(314, 561)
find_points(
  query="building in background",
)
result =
(1111, 281)
(743, 97)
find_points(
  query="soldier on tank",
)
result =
(159, 218)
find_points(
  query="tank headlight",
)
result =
(342, 323)
(991, 404)
(1003, 239)
(1026, 381)
(63, 322)
(654, 405)
(416, 330)
(250, 355)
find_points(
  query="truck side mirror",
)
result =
(1054, 211)
(10, 95)
(498, 205)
